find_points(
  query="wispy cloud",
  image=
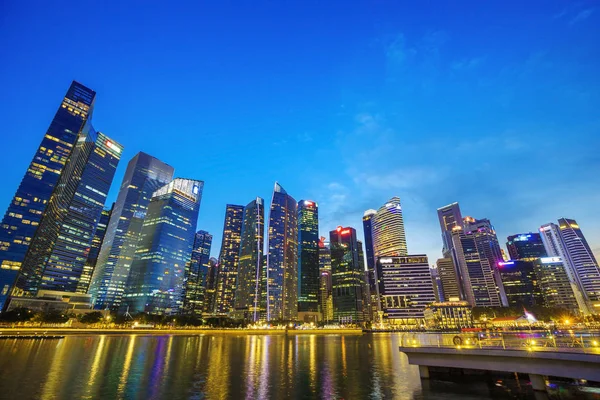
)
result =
(581, 16)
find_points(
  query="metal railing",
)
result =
(575, 342)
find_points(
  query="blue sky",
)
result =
(492, 104)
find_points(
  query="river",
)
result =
(227, 367)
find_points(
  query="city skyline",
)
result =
(482, 97)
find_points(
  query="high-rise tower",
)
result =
(196, 276)
(525, 246)
(282, 260)
(29, 203)
(308, 261)
(92, 260)
(249, 276)
(389, 238)
(229, 257)
(144, 175)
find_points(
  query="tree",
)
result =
(91, 318)
(20, 314)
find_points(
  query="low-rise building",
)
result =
(448, 315)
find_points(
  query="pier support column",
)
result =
(538, 382)
(424, 371)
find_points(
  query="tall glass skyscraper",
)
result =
(347, 276)
(325, 286)
(196, 276)
(144, 175)
(389, 238)
(448, 275)
(369, 250)
(449, 217)
(308, 261)
(229, 259)
(249, 277)
(156, 279)
(525, 246)
(29, 203)
(59, 249)
(211, 286)
(282, 262)
(521, 283)
(92, 260)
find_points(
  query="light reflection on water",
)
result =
(214, 367)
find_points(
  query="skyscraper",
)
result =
(249, 277)
(555, 285)
(347, 276)
(449, 280)
(59, 249)
(196, 276)
(449, 217)
(29, 203)
(389, 238)
(90, 264)
(406, 288)
(474, 271)
(156, 280)
(369, 250)
(521, 283)
(308, 261)
(229, 259)
(484, 235)
(144, 175)
(583, 261)
(325, 299)
(282, 261)
(556, 247)
(525, 246)
(211, 286)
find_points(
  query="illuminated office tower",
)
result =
(90, 264)
(449, 280)
(406, 288)
(389, 238)
(449, 217)
(308, 261)
(229, 258)
(196, 276)
(583, 261)
(29, 203)
(211, 286)
(437, 283)
(521, 283)
(325, 299)
(59, 249)
(156, 279)
(347, 277)
(282, 261)
(249, 277)
(144, 175)
(475, 273)
(555, 285)
(484, 235)
(369, 250)
(556, 247)
(525, 246)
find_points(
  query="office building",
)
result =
(92, 259)
(229, 258)
(57, 254)
(405, 288)
(282, 269)
(144, 175)
(196, 275)
(211, 286)
(520, 283)
(449, 217)
(249, 277)
(308, 261)
(389, 238)
(525, 246)
(347, 277)
(23, 215)
(325, 299)
(449, 281)
(369, 250)
(156, 279)
(555, 285)
(448, 316)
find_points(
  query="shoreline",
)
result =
(177, 332)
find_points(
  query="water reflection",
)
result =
(217, 367)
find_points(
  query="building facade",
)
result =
(249, 277)
(521, 283)
(308, 261)
(389, 238)
(229, 258)
(525, 246)
(23, 215)
(92, 259)
(449, 217)
(156, 280)
(347, 277)
(555, 285)
(144, 175)
(196, 275)
(57, 254)
(282, 269)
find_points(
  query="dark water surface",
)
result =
(224, 367)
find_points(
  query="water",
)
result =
(225, 367)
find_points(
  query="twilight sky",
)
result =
(494, 104)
